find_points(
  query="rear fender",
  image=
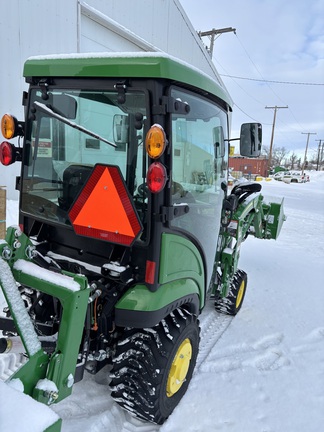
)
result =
(139, 307)
(180, 260)
(181, 281)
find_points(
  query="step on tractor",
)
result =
(127, 226)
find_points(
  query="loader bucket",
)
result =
(275, 217)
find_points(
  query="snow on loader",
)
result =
(126, 225)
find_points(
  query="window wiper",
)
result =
(46, 110)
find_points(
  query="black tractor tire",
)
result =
(232, 303)
(153, 367)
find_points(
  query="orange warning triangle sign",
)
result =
(104, 210)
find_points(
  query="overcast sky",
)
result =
(275, 41)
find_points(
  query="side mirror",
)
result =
(219, 143)
(120, 129)
(250, 139)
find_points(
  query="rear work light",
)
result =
(155, 141)
(156, 177)
(10, 127)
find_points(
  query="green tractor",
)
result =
(126, 225)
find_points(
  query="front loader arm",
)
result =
(245, 213)
(17, 267)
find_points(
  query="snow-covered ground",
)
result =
(262, 371)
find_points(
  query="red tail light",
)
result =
(156, 177)
(7, 153)
(150, 272)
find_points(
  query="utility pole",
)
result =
(320, 153)
(212, 33)
(275, 108)
(306, 133)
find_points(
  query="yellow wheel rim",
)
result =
(179, 368)
(240, 293)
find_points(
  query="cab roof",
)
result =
(125, 65)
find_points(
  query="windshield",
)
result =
(68, 132)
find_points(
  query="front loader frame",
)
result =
(245, 214)
(73, 293)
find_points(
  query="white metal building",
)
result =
(36, 27)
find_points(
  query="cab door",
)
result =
(199, 166)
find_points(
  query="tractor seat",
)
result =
(243, 190)
(248, 187)
(74, 177)
(239, 193)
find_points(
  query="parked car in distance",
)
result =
(295, 177)
(279, 175)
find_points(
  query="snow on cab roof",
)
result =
(127, 65)
(105, 54)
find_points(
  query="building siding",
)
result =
(39, 27)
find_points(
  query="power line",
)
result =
(247, 93)
(212, 33)
(273, 81)
(256, 68)
(263, 79)
(252, 97)
(257, 121)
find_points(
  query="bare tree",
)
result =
(266, 151)
(280, 154)
(317, 158)
(292, 160)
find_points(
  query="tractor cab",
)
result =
(126, 226)
(112, 161)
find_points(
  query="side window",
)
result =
(199, 147)
(200, 154)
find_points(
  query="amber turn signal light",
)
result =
(155, 141)
(9, 126)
